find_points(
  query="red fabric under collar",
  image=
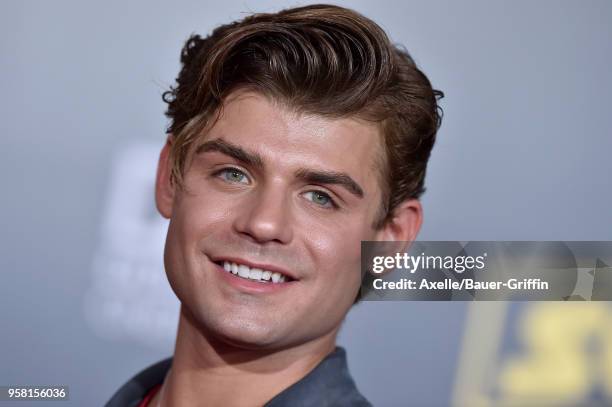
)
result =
(149, 396)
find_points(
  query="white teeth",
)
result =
(243, 271)
(253, 273)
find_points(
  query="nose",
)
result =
(265, 216)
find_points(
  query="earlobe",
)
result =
(405, 223)
(164, 187)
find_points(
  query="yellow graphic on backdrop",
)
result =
(564, 356)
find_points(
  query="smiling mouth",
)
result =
(253, 274)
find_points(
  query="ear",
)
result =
(164, 187)
(404, 225)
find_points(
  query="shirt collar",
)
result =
(329, 383)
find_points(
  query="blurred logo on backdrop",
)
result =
(536, 354)
(129, 297)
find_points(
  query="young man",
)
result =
(293, 137)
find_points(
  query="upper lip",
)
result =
(250, 264)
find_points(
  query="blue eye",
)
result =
(321, 199)
(233, 175)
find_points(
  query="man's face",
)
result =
(272, 190)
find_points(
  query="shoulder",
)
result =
(134, 390)
(329, 384)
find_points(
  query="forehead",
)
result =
(285, 137)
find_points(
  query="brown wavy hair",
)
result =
(319, 59)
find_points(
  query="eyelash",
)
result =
(230, 169)
(332, 202)
(219, 173)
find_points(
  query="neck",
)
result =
(204, 367)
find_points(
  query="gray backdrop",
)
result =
(523, 154)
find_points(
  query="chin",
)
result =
(250, 343)
(243, 332)
(249, 338)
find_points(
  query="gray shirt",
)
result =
(329, 384)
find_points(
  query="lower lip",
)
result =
(250, 285)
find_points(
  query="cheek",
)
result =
(193, 221)
(175, 260)
(337, 254)
(198, 214)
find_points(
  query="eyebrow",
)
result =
(305, 175)
(232, 150)
(330, 177)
